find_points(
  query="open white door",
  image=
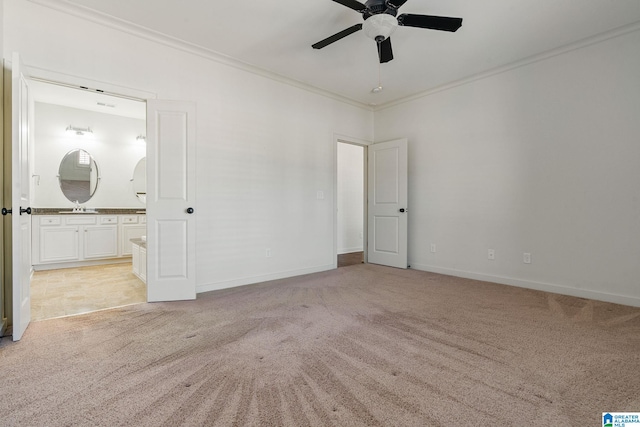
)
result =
(171, 142)
(387, 207)
(20, 199)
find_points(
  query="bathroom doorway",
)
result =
(350, 203)
(81, 230)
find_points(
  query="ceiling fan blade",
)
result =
(396, 3)
(384, 50)
(352, 4)
(442, 23)
(337, 36)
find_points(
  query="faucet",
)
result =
(78, 208)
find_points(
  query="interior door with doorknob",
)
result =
(20, 199)
(387, 206)
(171, 217)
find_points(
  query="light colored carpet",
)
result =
(360, 345)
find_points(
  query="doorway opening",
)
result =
(350, 201)
(82, 227)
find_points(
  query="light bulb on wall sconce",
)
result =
(78, 131)
(141, 137)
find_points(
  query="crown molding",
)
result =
(136, 30)
(109, 21)
(580, 44)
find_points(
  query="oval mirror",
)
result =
(140, 180)
(78, 176)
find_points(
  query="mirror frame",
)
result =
(92, 164)
(142, 197)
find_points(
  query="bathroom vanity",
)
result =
(80, 234)
(74, 239)
(139, 258)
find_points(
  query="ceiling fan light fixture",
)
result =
(381, 25)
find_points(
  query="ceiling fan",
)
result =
(380, 21)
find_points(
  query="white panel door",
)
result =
(171, 210)
(20, 199)
(387, 206)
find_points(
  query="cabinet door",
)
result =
(100, 241)
(143, 264)
(59, 244)
(135, 259)
(130, 232)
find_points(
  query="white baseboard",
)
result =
(349, 250)
(539, 286)
(59, 265)
(263, 278)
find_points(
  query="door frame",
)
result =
(343, 139)
(71, 81)
(3, 137)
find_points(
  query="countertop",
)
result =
(138, 241)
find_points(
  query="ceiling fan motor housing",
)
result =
(377, 6)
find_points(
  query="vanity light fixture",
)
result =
(79, 131)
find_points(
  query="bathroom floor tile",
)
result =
(69, 291)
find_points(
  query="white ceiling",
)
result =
(276, 36)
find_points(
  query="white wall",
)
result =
(264, 147)
(543, 159)
(350, 197)
(112, 145)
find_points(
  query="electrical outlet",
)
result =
(526, 258)
(320, 195)
(433, 248)
(491, 254)
(267, 252)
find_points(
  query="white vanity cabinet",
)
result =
(133, 227)
(101, 241)
(56, 242)
(139, 258)
(85, 239)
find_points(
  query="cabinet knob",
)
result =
(190, 210)
(27, 211)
